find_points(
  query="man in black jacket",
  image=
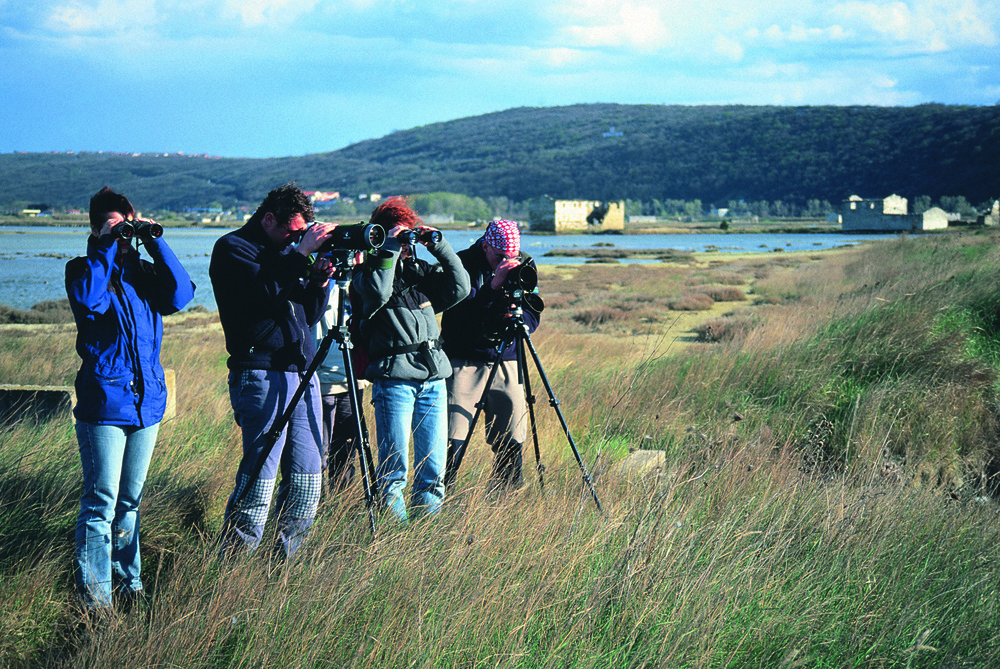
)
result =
(268, 295)
(469, 331)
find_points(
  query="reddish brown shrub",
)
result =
(599, 316)
(727, 328)
(723, 293)
(691, 302)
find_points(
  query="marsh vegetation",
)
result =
(827, 496)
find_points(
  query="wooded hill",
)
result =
(715, 154)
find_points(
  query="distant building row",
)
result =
(891, 215)
(322, 197)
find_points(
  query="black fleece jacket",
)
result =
(467, 329)
(266, 306)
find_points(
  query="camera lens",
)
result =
(523, 277)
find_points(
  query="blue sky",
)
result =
(264, 78)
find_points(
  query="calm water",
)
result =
(32, 260)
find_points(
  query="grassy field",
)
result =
(828, 428)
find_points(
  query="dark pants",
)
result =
(258, 398)
(339, 439)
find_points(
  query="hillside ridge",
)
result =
(715, 154)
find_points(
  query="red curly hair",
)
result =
(393, 212)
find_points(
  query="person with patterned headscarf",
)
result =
(470, 334)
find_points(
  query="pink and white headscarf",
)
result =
(504, 237)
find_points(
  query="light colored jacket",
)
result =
(331, 372)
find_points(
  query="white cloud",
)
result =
(107, 16)
(261, 12)
(884, 81)
(603, 23)
(775, 33)
(894, 19)
(773, 70)
(930, 26)
(562, 57)
(967, 22)
(728, 48)
(799, 33)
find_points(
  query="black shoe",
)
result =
(128, 601)
(96, 618)
(506, 473)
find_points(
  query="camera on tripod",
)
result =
(132, 227)
(519, 288)
(518, 293)
(418, 235)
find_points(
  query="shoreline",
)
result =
(198, 316)
(779, 226)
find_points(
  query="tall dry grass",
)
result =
(824, 499)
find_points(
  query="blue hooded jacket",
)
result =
(118, 311)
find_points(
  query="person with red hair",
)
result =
(401, 296)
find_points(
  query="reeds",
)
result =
(824, 500)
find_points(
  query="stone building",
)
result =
(888, 215)
(934, 218)
(990, 217)
(550, 215)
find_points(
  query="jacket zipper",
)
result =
(137, 385)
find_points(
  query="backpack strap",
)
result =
(427, 346)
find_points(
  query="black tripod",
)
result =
(342, 335)
(517, 334)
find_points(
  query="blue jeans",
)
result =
(402, 408)
(114, 460)
(259, 397)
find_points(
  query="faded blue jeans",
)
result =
(114, 460)
(402, 408)
(258, 398)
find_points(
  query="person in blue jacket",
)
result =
(118, 300)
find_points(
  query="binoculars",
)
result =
(131, 227)
(413, 237)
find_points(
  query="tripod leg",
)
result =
(529, 399)
(367, 442)
(361, 431)
(562, 421)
